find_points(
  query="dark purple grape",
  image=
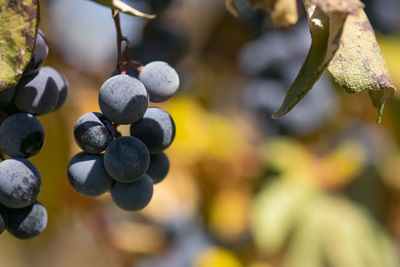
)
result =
(87, 175)
(156, 129)
(126, 159)
(21, 135)
(123, 99)
(159, 167)
(37, 94)
(160, 80)
(93, 132)
(133, 196)
(20, 183)
(40, 52)
(3, 218)
(61, 82)
(28, 222)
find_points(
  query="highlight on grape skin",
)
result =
(87, 175)
(123, 99)
(61, 85)
(37, 94)
(28, 222)
(156, 129)
(40, 52)
(93, 132)
(20, 183)
(160, 80)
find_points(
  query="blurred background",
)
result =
(318, 188)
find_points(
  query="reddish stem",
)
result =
(2, 113)
(119, 36)
(122, 66)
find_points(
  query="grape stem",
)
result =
(119, 35)
(118, 133)
(123, 65)
(2, 113)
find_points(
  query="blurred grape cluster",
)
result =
(318, 188)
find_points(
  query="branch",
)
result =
(120, 38)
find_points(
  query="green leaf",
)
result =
(305, 248)
(352, 238)
(359, 65)
(18, 27)
(325, 19)
(121, 6)
(275, 211)
(336, 232)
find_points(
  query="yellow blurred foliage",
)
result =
(274, 211)
(229, 212)
(52, 162)
(216, 257)
(334, 169)
(260, 264)
(201, 133)
(290, 158)
(390, 47)
(391, 171)
(342, 165)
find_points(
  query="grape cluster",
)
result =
(41, 90)
(272, 62)
(126, 166)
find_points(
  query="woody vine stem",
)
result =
(127, 62)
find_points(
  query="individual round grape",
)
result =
(123, 99)
(156, 129)
(3, 218)
(87, 175)
(133, 196)
(20, 183)
(160, 80)
(61, 82)
(6, 96)
(21, 135)
(41, 50)
(27, 222)
(126, 159)
(159, 167)
(93, 132)
(37, 94)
